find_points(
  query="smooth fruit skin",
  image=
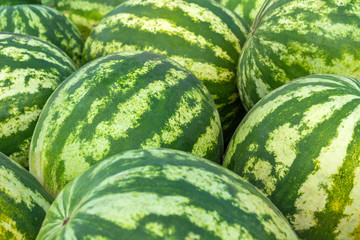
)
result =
(123, 101)
(84, 13)
(247, 9)
(162, 194)
(300, 146)
(30, 70)
(23, 202)
(202, 35)
(292, 38)
(45, 23)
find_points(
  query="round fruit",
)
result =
(45, 23)
(84, 13)
(119, 102)
(30, 70)
(202, 35)
(291, 39)
(300, 146)
(23, 202)
(162, 194)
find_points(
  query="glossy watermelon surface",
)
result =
(23, 202)
(30, 70)
(300, 146)
(162, 194)
(291, 39)
(45, 23)
(202, 35)
(124, 101)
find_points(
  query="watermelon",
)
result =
(16, 2)
(84, 13)
(247, 9)
(162, 194)
(300, 146)
(30, 70)
(23, 202)
(45, 23)
(291, 39)
(202, 35)
(122, 101)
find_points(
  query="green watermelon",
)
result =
(247, 9)
(300, 146)
(123, 101)
(84, 13)
(45, 23)
(162, 194)
(23, 202)
(30, 70)
(202, 35)
(17, 2)
(291, 39)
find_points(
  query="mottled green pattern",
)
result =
(30, 70)
(300, 146)
(45, 23)
(291, 39)
(23, 202)
(247, 9)
(202, 35)
(162, 194)
(123, 101)
(84, 13)
(17, 2)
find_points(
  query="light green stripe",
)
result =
(9, 225)
(197, 13)
(209, 139)
(260, 112)
(25, 81)
(20, 121)
(161, 25)
(327, 163)
(183, 115)
(15, 189)
(352, 212)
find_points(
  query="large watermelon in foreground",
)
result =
(45, 23)
(292, 39)
(84, 13)
(162, 194)
(30, 70)
(23, 202)
(119, 102)
(202, 35)
(300, 146)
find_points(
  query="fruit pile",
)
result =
(179, 119)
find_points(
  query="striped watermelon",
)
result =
(84, 13)
(202, 35)
(16, 2)
(119, 102)
(45, 23)
(30, 70)
(291, 39)
(247, 9)
(162, 194)
(300, 146)
(23, 202)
